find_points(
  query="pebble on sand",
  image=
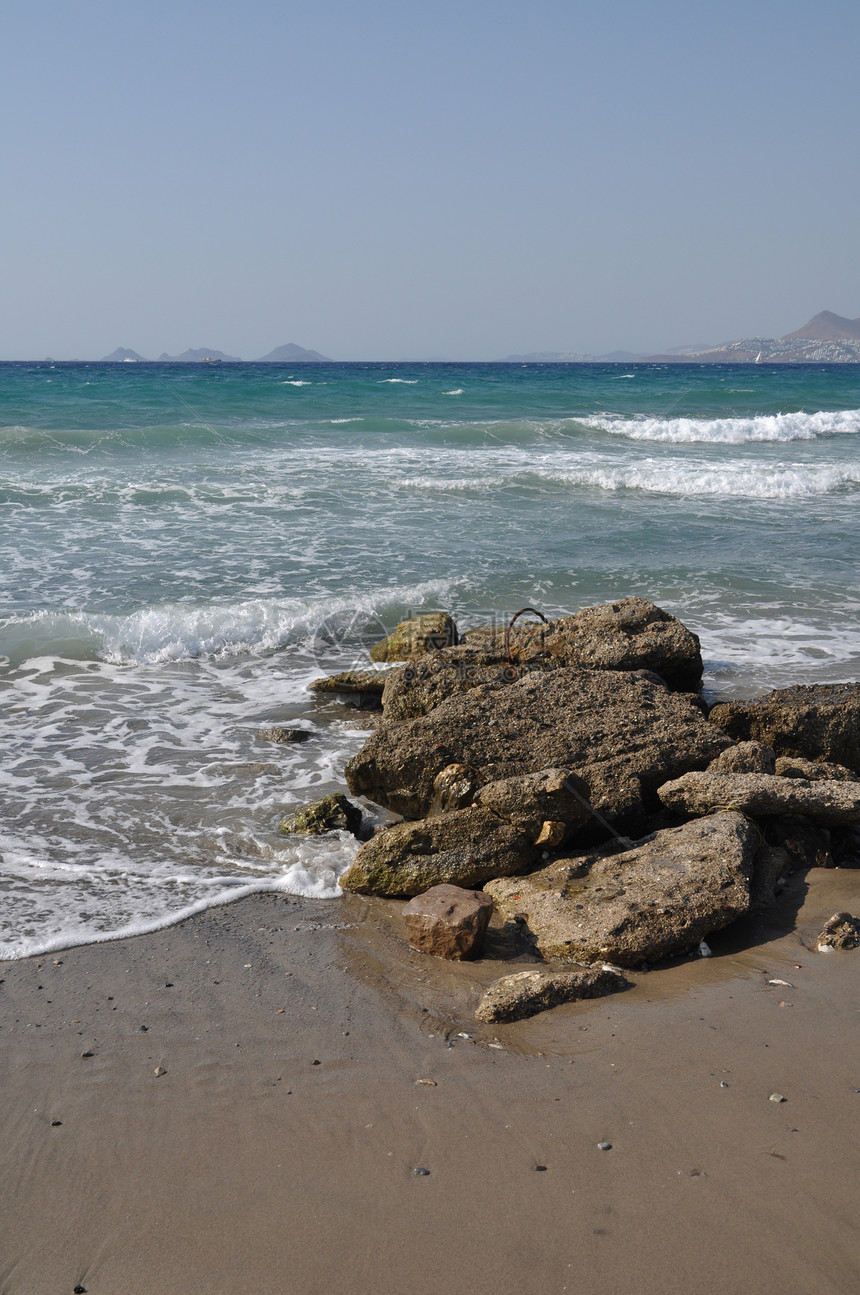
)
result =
(604, 1146)
(776, 1097)
(159, 1070)
(420, 1172)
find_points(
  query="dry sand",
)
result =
(247, 1167)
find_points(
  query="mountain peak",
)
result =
(293, 354)
(827, 327)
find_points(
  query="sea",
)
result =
(183, 548)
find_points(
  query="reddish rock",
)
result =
(448, 922)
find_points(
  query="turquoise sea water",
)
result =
(185, 546)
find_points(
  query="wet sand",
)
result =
(276, 1154)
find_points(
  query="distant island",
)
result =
(289, 354)
(826, 339)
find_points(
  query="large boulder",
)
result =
(631, 634)
(794, 766)
(527, 992)
(462, 848)
(763, 794)
(623, 732)
(660, 898)
(816, 721)
(448, 921)
(415, 637)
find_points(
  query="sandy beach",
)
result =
(312, 1062)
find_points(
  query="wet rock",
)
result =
(794, 766)
(842, 931)
(463, 848)
(662, 897)
(364, 688)
(746, 757)
(284, 735)
(528, 992)
(770, 866)
(624, 733)
(453, 788)
(448, 921)
(805, 844)
(331, 814)
(631, 634)
(416, 637)
(815, 721)
(763, 794)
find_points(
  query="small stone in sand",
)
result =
(428, 1083)
(776, 1097)
(87, 1054)
(56, 1124)
(540, 1169)
(316, 1063)
(159, 1070)
(420, 1172)
(604, 1146)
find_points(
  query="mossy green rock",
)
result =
(416, 637)
(331, 814)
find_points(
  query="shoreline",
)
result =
(276, 1152)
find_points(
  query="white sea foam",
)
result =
(731, 431)
(457, 391)
(296, 382)
(405, 382)
(183, 632)
(740, 479)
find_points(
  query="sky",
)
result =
(379, 179)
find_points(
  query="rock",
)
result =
(631, 634)
(545, 804)
(794, 766)
(660, 898)
(416, 637)
(463, 848)
(842, 931)
(417, 689)
(453, 788)
(623, 732)
(845, 848)
(331, 814)
(763, 794)
(527, 992)
(364, 687)
(816, 721)
(805, 845)
(448, 921)
(284, 734)
(746, 757)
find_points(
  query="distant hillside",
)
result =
(121, 353)
(293, 354)
(826, 339)
(827, 327)
(188, 357)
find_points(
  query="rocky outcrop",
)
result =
(527, 992)
(762, 794)
(816, 721)
(363, 687)
(631, 634)
(462, 848)
(331, 814)
(448, 922)
(794, 766)
(624, 733)
(746, 757)
(511, 822)
(660, 898)
(415, 637)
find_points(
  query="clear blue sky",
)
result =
(388, 179)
